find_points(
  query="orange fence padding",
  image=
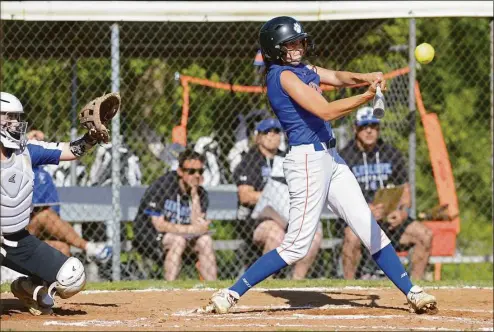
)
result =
(441, 165)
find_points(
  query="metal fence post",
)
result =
(73, 129)
(116, 213)
(412, 144)
(492, 115)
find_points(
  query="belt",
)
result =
(320, 146)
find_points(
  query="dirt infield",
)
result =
(347, 308)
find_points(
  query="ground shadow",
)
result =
(297, 299)
(13, 307)
(108, 305)
(68, 312)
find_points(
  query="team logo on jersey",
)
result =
(12, 179)
(315, 87)
(297, 27)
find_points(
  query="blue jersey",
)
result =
(44, 192)
(43, 153)
(300, 125)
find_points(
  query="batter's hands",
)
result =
(396, 218)
(377, 78)
(377, 211)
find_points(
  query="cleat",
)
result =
(34, 297)
(205, 310)
(420, 302)
(100, 252)
(222, 301)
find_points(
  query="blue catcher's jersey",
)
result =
(43, 153)
(301, 126)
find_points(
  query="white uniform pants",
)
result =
(314, 177)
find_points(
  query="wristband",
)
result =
(81, 145)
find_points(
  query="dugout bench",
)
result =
(94, 204)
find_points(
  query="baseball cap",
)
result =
(268, 124)
(365, 116)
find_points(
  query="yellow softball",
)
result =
(424, 53)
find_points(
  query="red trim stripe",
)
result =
(306, 200)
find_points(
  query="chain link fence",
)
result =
(200, 84)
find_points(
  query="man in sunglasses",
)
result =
(256, 169)
(172, 216)
(376, 165)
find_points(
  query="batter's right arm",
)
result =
(314, 102)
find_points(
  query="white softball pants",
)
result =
(317, 177)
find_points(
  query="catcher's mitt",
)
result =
(97, 114)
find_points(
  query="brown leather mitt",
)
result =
(97, 114)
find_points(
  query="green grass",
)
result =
(468, 272)
(270, 283)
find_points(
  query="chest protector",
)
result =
(16, 189)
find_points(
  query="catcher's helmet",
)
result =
(278, 31)
(12, 129)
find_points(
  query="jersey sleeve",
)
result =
(243, 174)
(43, 153)
(153, 200)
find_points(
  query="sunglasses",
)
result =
(192, 171)
(273, 130)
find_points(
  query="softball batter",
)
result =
(315, 173)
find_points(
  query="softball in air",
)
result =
(424, 53)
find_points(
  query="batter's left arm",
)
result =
(341, 79)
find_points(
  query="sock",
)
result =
(265, 266)
(390, 264)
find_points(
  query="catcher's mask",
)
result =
(276, 33)
(12, 129)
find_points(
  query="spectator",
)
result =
(251, 176)
(376, 165)
(46, 223)
(172, 215)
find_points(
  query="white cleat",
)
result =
(32, 296)
(421, 302)
(221, 302)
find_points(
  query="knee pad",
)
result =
(71, 279)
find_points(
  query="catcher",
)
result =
(49, 272)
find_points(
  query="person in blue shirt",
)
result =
(378, 165)
(46, 223)
(315, 173)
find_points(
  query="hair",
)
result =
(189, 154)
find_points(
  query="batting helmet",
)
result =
(278, 31)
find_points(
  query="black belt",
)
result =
(322, 146)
